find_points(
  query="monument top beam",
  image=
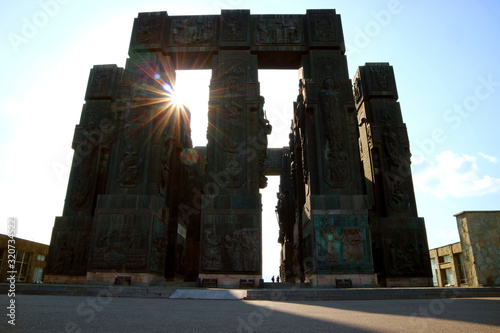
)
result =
(278, 40)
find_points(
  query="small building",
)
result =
(447, 265)
(30, 259)
(480, 239)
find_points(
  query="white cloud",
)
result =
(490, 158)
(452, 175)
(448, 235)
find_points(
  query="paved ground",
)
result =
(105, 313)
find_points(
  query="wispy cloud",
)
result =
(452, 175)
(490, 158)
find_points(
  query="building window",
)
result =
(37, 275)
(434, 271)
(22, 265)
(40, 257)
(444, 259)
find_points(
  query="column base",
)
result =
(407, 282)
(136, 279)
(231, 280)
(358, 280)
(72, 279)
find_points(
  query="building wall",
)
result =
(32, 268)
(447, 266)
(480, 238)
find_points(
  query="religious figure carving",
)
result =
(328, 241)
(101, 80)
(336, 156)
(130, 171)
(279, 31)
(149, 29)
(324, 30)
(396, 173)
(357, 90)
(233, 103)
(193, 31)
(380, 77)
(66, 254)
(233, 252)
(211, 259)
(264, 130)
(353, 244)
(249, 240)
(165, 159)
(233, 29)
(84, 175)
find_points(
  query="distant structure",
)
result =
(30, 259)
(448, 267)
(480, 239)
(475, 260)
(144, 206)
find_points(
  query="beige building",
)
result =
(475, 260)
(480, 239)
(448, 268)
(30, 259)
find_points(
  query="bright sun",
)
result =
(175, 97)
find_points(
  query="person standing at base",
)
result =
(278, 279)
(272, 279)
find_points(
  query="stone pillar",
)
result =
(399, 239)
(231, 208)
(92, 142)
(336, 235)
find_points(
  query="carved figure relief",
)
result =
(101, 80)
(86, 150)
(353, 244)
(233, 253)
(167, 150)
(335, 153)
(159, 253)
(406, 257)
(379, 77)
(131, 164)
(211, 259)
(396, 174)
(66, 255)
(120, 242)
(149, 29)
(250, 245)
(232, 167)
(238, 251)
(278, 31)
(357, 90)
(265, 129)
(329, 242)
(233, 29)
(323, 29)
(193, 30)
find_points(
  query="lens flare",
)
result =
(189, 156)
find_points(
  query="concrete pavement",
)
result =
(107, 313)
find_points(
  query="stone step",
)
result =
(275, 293)
(286, 285)
(314, 294)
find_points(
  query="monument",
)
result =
(144, 206)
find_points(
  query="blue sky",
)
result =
(444, 54)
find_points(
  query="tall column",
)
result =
(92, 142)
(335, 230)
(237, 142)
(136, 229)
(399, 239)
